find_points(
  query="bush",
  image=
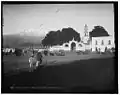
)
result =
(18, 52)
(109, 51)
(86, 52)
(60, 53)
(46, 52)
(79, 52)
(51, 54)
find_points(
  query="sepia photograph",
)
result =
(59, 47)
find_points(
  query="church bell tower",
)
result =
(86, 34)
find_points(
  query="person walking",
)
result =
(32, 62)
(39, 59)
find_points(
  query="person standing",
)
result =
(39, 58)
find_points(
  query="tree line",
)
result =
(59, 37)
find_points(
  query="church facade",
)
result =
(94, 44)
(101, 43)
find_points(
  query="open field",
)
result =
(93, 75)
(14, 63)
(70, 73)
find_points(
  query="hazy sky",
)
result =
(42, 18)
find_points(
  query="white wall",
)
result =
(99, 41)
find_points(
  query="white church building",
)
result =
(96, 43)
(102, 43)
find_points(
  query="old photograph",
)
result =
(58, 47)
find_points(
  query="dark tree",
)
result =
(18, 52)
(60, 37)
(98, 31)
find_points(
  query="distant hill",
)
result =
(17, 40)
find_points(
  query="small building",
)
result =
(100, 43)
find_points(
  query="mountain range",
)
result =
(18, 40)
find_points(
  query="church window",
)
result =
(109, 42)
(96, 43)
(102, 42)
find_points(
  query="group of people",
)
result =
(35, 60)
